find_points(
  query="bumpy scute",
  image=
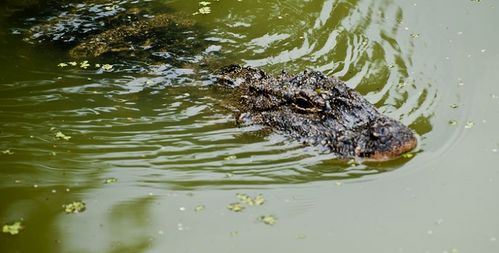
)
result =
(318, 110)
(142, 34)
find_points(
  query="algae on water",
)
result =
(13, 228)
(75, 207)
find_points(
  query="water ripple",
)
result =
(163, 125)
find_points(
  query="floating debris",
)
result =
(75, 207)
(13, 229)
(84, 64)
(236, 207)
(452, 122)
(469, 124)
(205, 10)
(301, 237)
(199, 208)
(268, 219)
(110, 180)
(7, 152)
(73, 63)
(246, 199)
(352, 162)
(62, 65)
(415, 35)
(408, 155)
(231, 157)
(259, 200)
(454, 106)
(60, 135)
(107, 67)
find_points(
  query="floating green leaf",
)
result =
(110, 180)
(231, 157)
(107, 67)
(415, 35)
(408, 155)
(199, 208)
(75, 207)
(469, 124)
(84, 64)
(259, 200)
(245, 198)
(205, 10)
(60, 135)
(235, 207)
(13, 229)
(268, 219)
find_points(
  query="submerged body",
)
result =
(317, 110)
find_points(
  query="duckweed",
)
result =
(110, 180)
(408, 155)
(13, 229)
(246, 199)
(236, 207)
(107, 67)
(60, 135)
(199, 208)
(268, 219)
(75, 207)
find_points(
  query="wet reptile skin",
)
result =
(318, 110)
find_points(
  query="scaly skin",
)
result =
(131, 37)
(317, 110)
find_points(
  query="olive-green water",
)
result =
(157, 158)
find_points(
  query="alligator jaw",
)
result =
(396, 152)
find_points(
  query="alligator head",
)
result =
(318, 110)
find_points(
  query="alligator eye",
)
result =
(380, 132)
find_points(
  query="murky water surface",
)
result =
(151, 149)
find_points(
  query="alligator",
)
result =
(137, 31)
(156, 34)
(310, 107)
(317, 110)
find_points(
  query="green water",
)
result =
(179, 159)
